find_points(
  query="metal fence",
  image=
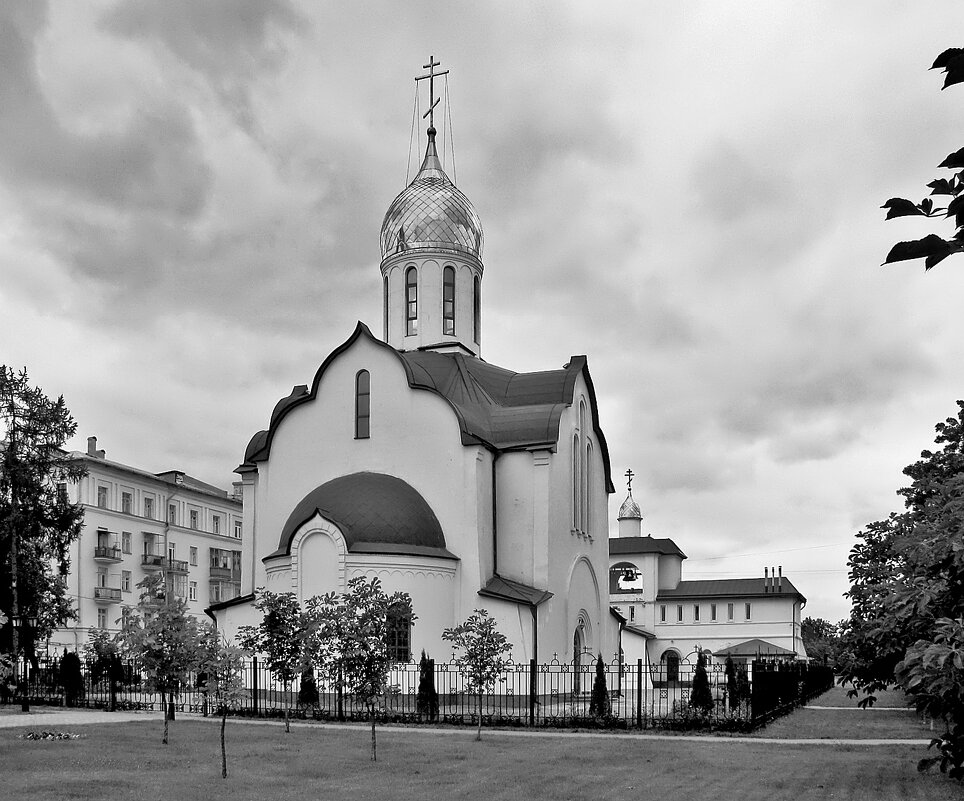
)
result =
(552, 694)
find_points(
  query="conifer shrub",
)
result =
(308, 691)
(701, 698)
(600, 707)
(427, 699)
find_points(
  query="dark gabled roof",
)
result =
(375, 512)
(730, 587)
(514, 591)
(638, 545)
(236, 601)
(755, 647)
(495, 407)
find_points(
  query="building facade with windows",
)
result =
(665, 619)
(137, 523)
(411, 459)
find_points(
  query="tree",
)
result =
(600, 706)
(732, 685)
(701, 698)
(821, 638)
(163, 639)
(349, 639)
(104, 654)
(906, 626)
(480, 654)
(71, 677)
(223, 665)
(37, 522)
(280, 637)
(426, 701)
(933, 248)
(307, 688)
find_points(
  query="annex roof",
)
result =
(743, 587)
(755, 647)
(376, 513)
(514, 591)
(641, 545)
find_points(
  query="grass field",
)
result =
(126, 761)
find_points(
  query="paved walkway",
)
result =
(51, 718)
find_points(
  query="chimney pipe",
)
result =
(92, 446)
(766, 579)
(780, 580)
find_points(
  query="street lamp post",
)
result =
(21, 623)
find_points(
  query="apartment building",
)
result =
(137, 523)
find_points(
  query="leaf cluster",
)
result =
(480, 650)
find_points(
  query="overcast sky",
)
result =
(688, 193)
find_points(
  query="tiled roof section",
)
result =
(639, 545)
(376, 513)
(514, 591)
(755, 647)
(729, 587)
(495, 407)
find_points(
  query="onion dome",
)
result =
(431, 212)
(629, 510)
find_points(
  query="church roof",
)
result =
(729, 587)
(431, 212)
(498, 408)
(376, 513)
(640, 545)
(755, 647)
(514, 591)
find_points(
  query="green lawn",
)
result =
(126, 761)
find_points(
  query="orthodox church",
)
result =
(410, 458)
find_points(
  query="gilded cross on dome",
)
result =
(629, 480)
(432, 100)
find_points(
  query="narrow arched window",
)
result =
(363, 404)
(588, 525)
(385, 307)
(448, 301)
(583, 470)
(411, 302)
(575, 481)
(477, 309)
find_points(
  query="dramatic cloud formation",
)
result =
(191, 194)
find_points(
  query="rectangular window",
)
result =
(747, 611)
(102, 618)
(62, 492)
(679, 613)
(192, 591)
(237, 529)
(398, 637)
(127, 502)
(193, 556)
(729, 611)
(127, 542)
(101, 576)
(712, 611)
(149, 508)
(171, 551)
(216, 524)
(172, 513)
(632, 613)
(102, 496)
(194, 519)
(662, 613)
(178, 585)
(696, 613)
(126, 580)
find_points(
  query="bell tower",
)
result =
(431, 246)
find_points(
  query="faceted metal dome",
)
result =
(629, 509)
(431, 212)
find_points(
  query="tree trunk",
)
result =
(164, 707)
(287, 723)
(224, 756)
(478, 734)
(371, 715)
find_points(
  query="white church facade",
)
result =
(411, 459)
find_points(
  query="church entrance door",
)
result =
(577, 645)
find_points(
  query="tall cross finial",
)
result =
(629, 479)
(432, 100)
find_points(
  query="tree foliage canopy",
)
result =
(933, 248)
(37, 522)
(906, 625)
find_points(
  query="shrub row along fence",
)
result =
(553, 694)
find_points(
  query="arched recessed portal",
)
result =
(580, 647)
(670, 663)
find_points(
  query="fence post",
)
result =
(533, 689)
(639, 693)
(254, 683)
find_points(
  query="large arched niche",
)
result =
(318, 552)
(584, 601)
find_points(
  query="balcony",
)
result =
(225, 573)
(153, 561)
(225, 591)
(177, 566)
(107, 553)
(110, 595)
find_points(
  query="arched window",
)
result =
(575, 481)
(477, 310)
(363, 404)
(411, 302)
(588, 526)
(448, 301)
(385, 305)
(583, 472)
